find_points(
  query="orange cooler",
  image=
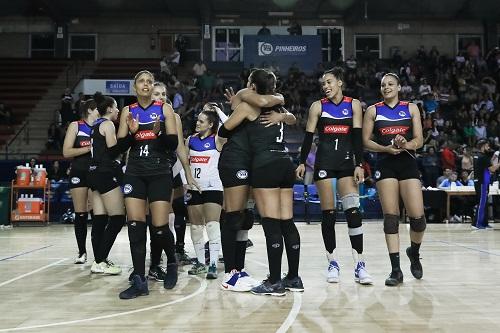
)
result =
(23, 175)
(40, 176)
(29, 205)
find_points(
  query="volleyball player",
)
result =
(77, 146)
(272, 191)
(205, 207)
(339, 155)
(396, 128)
(234, 172)
(151, 126)
(107, 196)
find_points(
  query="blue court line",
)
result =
(23, 253)
(469, 248)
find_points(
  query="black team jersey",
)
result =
(236, 151)
(101, 161)
(266, 143)
(334, 127)
(148, 156)
(82, 162)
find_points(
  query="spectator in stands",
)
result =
(177, 100)
(55, 173)
(351, 63)
(199, 69)
(66, 107)
(424, 88)
(264, 31)
(466, 160)
(450, 181)
(5, 115)
(295, 29)
(465, 178)
(81, 99)
(447, 156)
(446, 174)
(54, 137)
(431, 167)
(181, 44)
(32, 164)
(480, 130)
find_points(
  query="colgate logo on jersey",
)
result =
(336, 129)
(200, 159)
(145, 135)
(392, 130)
(84, 143)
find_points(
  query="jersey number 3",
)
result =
(279, 139)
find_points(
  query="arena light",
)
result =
(281, 14)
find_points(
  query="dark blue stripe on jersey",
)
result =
(337, 111)
(83, 127)
(149, 114)
(198, 144)
(399, 112)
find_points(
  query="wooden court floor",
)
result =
(41, 290)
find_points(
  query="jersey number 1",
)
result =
(336, 143)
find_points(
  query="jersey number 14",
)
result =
(144, 151)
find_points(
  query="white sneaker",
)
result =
(110, 268)
(81, 258)
(97, 268)
(333, 272)
(361, 275)
(231, 281)
(248, 280)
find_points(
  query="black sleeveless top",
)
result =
(236, 151)
(82, 162)
(101, 161)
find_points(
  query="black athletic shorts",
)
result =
(78, 178)
(400, 167)
(153, 188)
(232, 177)
(194, 197)
(278, 174)
(177, 181)
(103, 182)
(320, 174)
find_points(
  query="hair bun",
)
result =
(98, 97)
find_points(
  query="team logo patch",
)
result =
(377, 174)
(75, 180)
(127, 189)
(322, 173)
(402, 114)
(188, 196)
(242, 174)
(345, 112)
(153, 116)
(207, 145)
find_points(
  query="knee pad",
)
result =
(248, 219)
(350, 200)
(234, 220)
(136, 232)
(354, 224)
(213, 231)
(391, 224)
(328, 217)
(197, 233)
(417, 224)
(178, 206)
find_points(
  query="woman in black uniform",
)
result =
(235, 174)
(273, 192)
(77, 146)
(107, 197)
(338, 119)
(396, 128)
(151, 127)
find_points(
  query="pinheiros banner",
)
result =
(282, 50)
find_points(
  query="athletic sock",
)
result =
(165, 239)
(241, 249)
(99, 223)
(328, 230)
(213, 232)
(198, 242)
(137, 238)
(81, 232)
(155, 248)
(395, 261)
(415, 248)
(291, 238)
(112, 230)
(229, 229)
(274, 244)
(179, 209)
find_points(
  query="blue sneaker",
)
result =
(138, 288)
(268, 288)
(361, 275)
(333, 272)
(293, 284)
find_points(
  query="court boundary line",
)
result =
(469, 248)
(32, 272)
(203, 286)
(26, 252)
